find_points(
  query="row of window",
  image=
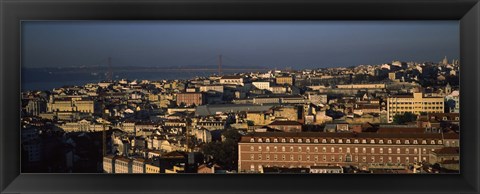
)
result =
(336, 159)
(363, 141)
(340, 150)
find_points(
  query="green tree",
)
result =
(404, 118)
(225, 152)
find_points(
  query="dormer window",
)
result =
(275, 140)
(355, 141)
(324, 141)
(340, 141)
(307, 141)
(284, 140)
(398, 142)
(445, 118)
(432, 142)
(364, 141)
(424, 141)
(267, 140)
(292, 141)
(380, 141)
(407, 141)
(389, 141)
(299, 140)
(259, 140)
(332, 141)
(315, 141)
(252, 140)
(348, 140)
(440, 142)
(457, 118)
(372, 141)
(415, 142)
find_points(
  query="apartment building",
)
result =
(415, 103)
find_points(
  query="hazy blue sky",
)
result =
(297, 44)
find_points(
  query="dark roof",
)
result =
(231, 77)
(285, 123)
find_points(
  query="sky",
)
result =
(271, 44)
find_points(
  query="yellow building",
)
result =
(153, 168)
(259, 118)
(414, 103)
(73, 104)
(284, 80)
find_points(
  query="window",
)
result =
(389, 159)
(252, 140)
(364, 150)
(407, 141)
(299, 157)
(267, 140)
(407, 151)
(424, 151)
(398, 142)
(381, 150)
(332, 141)
(380, 141)
(275, 140)
(283, 157)
(308, 149)
(340, 141)
(432, 142)
(275, 157)
(252, 157)
(259, 148)
(307, 141)
(316, 149)
(275, 149)
(252, 148)
(356, 150)
(324, 141)
(415, 142)
(283, 148)
(415, 151)
(389, 150)
(291, 157)
(398, 160)
(372, 141)
(324, 149)
(348, 150)
(355, 141)
(398, 150)
(424, 141)
(381, 159)
(389, 141)
(340, 150)
(340, 158)
(267, 157)
(316, 158)
(372, 150)
(364, 141)
(315, 141)
(373, 159)
(259, 140)
(332, 158)
(299, 149)
(308, 157)
(268, 148)
(364, 159)
(292, 141)
(348, 140)
(332, 149)
(260, 156)
(291, 149)
(283, 140)
(299, 140)
(356, 158)
(415, 159)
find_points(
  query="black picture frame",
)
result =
(12, 12)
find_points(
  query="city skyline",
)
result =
(269, 44)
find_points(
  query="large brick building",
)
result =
(190, 98)
(363, 150)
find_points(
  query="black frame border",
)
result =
(12, 12)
